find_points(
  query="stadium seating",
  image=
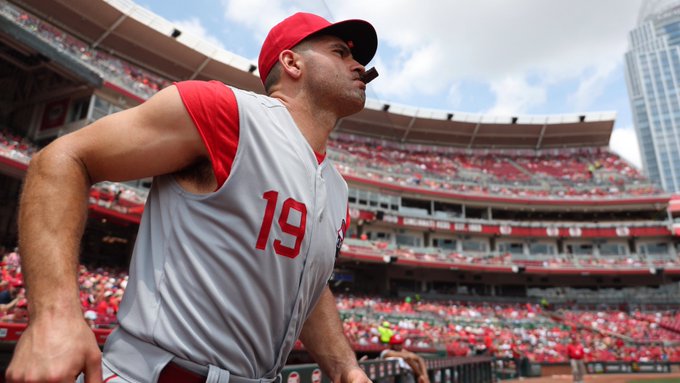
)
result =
(16, 148)
(119, 197)
(425, 255)
(638, 326)
(461, 328)
(568, 173)
(541, 336)
(130, 77)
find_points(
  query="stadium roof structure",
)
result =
(408, 124)
(131, 32)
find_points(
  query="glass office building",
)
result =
(653, 79)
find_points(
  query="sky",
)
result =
(494, 57)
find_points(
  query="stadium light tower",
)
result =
(653, 79)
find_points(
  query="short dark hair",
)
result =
(275, 73)
(273, 77)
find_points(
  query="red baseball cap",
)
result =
(396, 339)
(359, 34)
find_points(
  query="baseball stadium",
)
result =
(486, 243)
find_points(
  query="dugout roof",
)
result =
(127, 30)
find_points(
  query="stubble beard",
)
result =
(345, 102)
(334, 90)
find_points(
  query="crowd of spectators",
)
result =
(461, 328)
(120, 197)
(130, 201)
(130, 77)
(637, 325)
(382, 250)
(111, 195)
(101, 290)
(466, 328)
(566, 173)
(16, 147)
(590, 298)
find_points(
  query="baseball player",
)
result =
(239, 233)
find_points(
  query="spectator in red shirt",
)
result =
(576, 353)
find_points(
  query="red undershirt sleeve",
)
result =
(213, 109)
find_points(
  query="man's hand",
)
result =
(354, 375)
(56, 351)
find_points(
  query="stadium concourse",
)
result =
(469, 234)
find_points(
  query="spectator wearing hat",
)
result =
(385, 332)
(576, 354)
(409, 361)
(91, 318)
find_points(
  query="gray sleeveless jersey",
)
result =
(229, 278)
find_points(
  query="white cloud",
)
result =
(489, 41)
(591, 86)
(414, 75)
(257, 15)
(427, 47)
(515, 96)
(624, 142)
(454, 96)
(194, 27)
(260, 15)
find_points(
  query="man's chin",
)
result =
(361, 102)
(353, 108)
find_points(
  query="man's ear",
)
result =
(291, 63)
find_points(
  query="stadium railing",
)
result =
(440, 370)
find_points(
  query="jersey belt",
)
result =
(136, 360)
(215, 374)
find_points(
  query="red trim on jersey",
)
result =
(213, 109)
(320, 157)
(109, 378)
(347, 220)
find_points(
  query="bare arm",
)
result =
(154, 138)
(4, 308)
(323, 337)
(415, 361)
(423, 377)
